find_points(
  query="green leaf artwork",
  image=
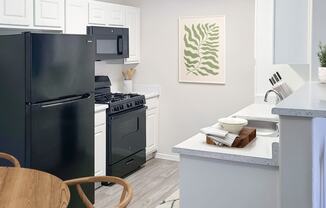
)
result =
(201, 45)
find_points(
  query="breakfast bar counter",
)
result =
(261, 151)
(309, 101)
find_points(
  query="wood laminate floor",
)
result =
(156, 181)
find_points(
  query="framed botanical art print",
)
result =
(202, 49)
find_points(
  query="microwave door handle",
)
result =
(120, 45)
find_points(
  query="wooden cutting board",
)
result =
(246, 135)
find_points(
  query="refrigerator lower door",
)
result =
(62, 140)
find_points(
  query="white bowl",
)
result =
(233, 125)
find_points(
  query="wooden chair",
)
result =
(10, 158)
(126, 195)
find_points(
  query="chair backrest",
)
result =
(10, 158)
(126, 195)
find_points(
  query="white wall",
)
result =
(294, 75)
(114, 71)
(185, 108)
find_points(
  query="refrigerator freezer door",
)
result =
(61, 66)
(62, 140)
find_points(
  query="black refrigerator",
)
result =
(47, 104)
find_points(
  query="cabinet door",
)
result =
(133, 23)
(291, 32)
(97, 13)
(100, 150)
(116, 14)
(151, 130)
(76, 16)
(49, 13)
(16, 12)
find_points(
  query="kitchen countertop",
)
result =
(149, 91)
(308, 101)
(256, 111)
(262, 151)
(100, 107)
(150, 95)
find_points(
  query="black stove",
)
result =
(126, 128)
(118, 102)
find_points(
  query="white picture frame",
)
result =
(202, 49)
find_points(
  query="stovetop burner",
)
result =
(119, 102)
(114, 97)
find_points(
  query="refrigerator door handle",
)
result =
(64, 101)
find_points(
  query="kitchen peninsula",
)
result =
(221, 175)
(302, 147)
(285, 171)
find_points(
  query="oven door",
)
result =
(126, 134)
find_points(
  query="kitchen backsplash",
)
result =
(114, 71)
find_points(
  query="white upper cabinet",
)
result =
(116, 14)
(76, 16)
(16, 12)
(49, 13)
(133, 23)
(97, 13)
(291, 31)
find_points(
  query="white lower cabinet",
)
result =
(152, 125)
(100, 145)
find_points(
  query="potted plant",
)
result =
(322, 60)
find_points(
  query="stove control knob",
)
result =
(116, 108)
(121, 107)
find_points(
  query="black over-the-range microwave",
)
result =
(110, 42)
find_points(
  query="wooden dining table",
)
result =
(27, 188)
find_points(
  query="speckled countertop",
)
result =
(308, 101)
(262, 151)
(149, 91)
(100, 107)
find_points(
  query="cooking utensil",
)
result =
(270, 80)
(128, 74)
(276, 78)
(279, 76)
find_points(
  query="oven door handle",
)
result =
(132, 111)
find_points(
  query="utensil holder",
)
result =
(127, 86)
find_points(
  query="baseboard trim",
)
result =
(167, 157)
